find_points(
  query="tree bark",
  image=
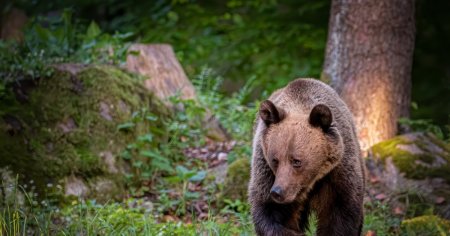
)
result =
(12, 24)
(368, 61)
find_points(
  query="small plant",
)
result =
(184, 176)
(235, 205)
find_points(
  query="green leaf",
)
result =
(138, 164)
(146, 138)
(173, 179)
(161, 164)
(198, 177)
(125, 126)
(414, 105)
(133, 52)
(93, 30)
(126, 155)
(42, 33)
(132, 146)
(191, 195)
(151, 118)
(123, 36)
(182, 170)
(148, 153)
(158, 161)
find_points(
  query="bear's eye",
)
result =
(296, 163)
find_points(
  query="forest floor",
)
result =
(186, 208)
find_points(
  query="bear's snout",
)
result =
(276, 193)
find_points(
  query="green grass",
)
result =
(21, 214)
(89, 218)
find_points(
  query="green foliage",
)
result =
(160, 152)
(232, 111)
(379, 219)
(184, 176)
(155, 152)
(312, 224)
(426, 125)
(275, 41)
(236, 206)
(49, 41)
(91, 218)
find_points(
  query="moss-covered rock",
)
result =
(416, 168)
(425, 225)
(63, 130)
(417, 155)
(236, 181)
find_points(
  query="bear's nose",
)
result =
(276, 193)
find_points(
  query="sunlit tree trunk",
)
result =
(368, 61)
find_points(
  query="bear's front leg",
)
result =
(273, 219)
(344, 218)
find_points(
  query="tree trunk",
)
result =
(368, 61)
(166, 78)
(12, 24)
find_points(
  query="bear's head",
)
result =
(299, 148)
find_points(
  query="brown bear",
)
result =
(306, 157)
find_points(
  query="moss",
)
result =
(425, 225)
(68, 120)
(236, 181)
(415, 165)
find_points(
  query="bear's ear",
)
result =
(321, 117)
(269, 113)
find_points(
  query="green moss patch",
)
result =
(425, 225)
(416, 155)
(236, 181)
(65, 124)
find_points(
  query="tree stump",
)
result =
(159, 63)
(166, 78)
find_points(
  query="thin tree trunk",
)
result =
(368, 61)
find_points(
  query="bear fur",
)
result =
(306, 157)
